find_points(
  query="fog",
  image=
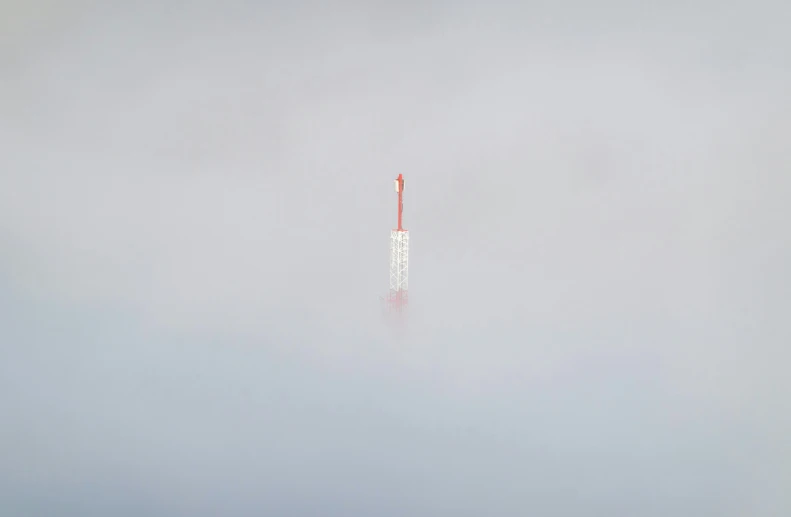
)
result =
(195, 206)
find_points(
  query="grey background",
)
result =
(195, 205)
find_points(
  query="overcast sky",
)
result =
(195, 206)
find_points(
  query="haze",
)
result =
(195, 206)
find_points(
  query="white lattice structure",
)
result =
(399, 269)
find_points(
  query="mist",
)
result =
(195, 205)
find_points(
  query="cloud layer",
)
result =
(194, 213)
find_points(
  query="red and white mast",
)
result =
(399, 257)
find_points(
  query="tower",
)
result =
(397, 298)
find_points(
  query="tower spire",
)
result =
(399, 187)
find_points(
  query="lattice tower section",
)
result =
(399, 270)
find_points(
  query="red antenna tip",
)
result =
(399, 188)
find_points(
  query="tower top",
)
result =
(397, 298)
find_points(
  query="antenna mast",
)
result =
(399, 258)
